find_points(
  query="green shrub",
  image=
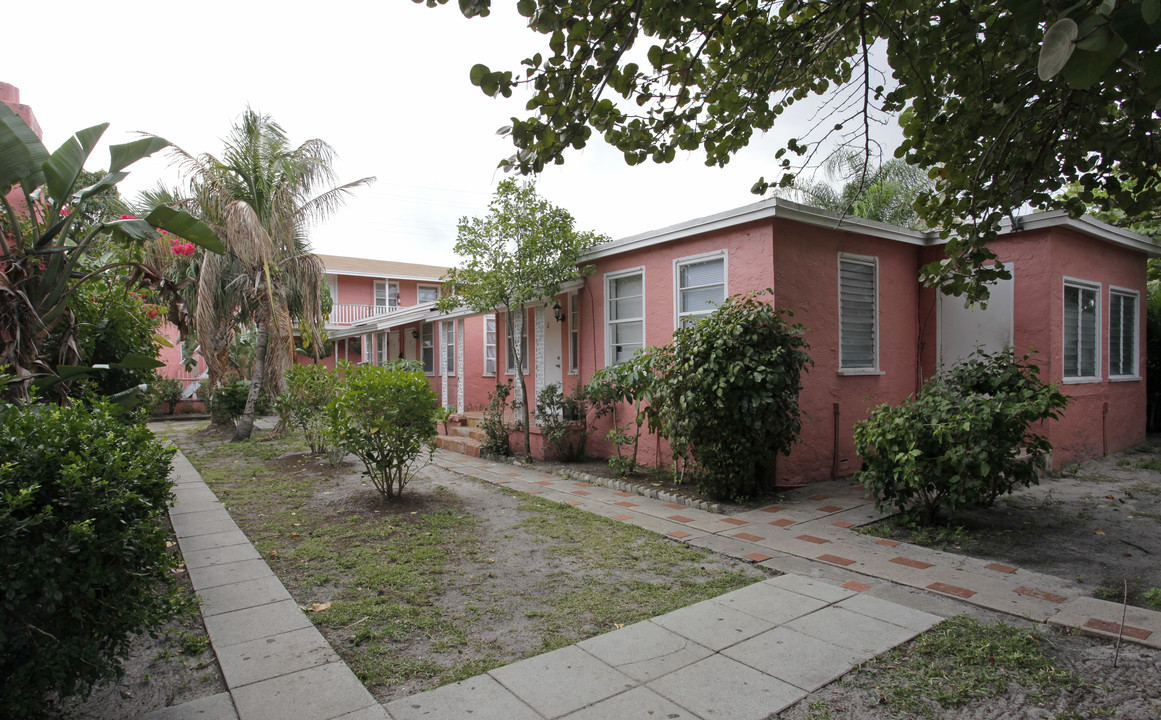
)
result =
(386, 417)
(309, 389)
(563, 420)
(168, 391)
(493, 424)
(729, 394)
(229, 401)
(83, 562)
(966, 438)
(634, 381)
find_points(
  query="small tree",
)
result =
(729, 397)
(309, 389)
(633, 381)
(168, 391)
(966, 438)
(386, 417)
(521, 252)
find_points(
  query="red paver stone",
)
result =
(917, 564)
(783, 522)
(581, 492)
(735, 521)
(625, 503)
(512, 474)
(812, 539)
(836, 560)
(623, 494)
(543, 482)
(758, 557)
(951, 590)
(501, 482)
(574, 503)
(843, 524)
(680, 518)
(856, 586)
(535, 492)
(773, 509)
(1040, 594)
(622, 517)
(678, 534)
(829, 508)
(748, 537)
(1000, 568)
(1116, 629)
(888, 543)
(819, 497)
(674, 506)
(547, 475)
(582, 484)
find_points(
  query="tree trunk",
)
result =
(246, 422)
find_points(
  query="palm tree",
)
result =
(885, 193)
(260, 198)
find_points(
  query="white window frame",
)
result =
(509, 360)
(573, 334)
(381, 346)
(420, 287)
(692, 260)
(492, 344)
(876, 328)
(389, 292)
(1135, 351)
(609, 278)
(426, 343)
(447, 347)
(1095, 288)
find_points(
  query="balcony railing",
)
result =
(347, 313)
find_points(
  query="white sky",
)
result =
(385, 82)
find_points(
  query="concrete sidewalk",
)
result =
(844, 599)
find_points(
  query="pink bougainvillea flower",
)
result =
(128, 217)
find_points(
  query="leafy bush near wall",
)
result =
(967, 437)
(634, 381)
(386, 417)
(563, 420)
(83, 562)
(309, 389)
(728, 393)
(168, 391)
(229, 401)
(493, 424)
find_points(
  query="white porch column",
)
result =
(539, 340)
(460, 329)
(442, 364)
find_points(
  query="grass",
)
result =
(946, 536)
(960, 661)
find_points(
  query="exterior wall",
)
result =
(10, 96)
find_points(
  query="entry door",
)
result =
(409, 344)
(553, 357)
(393, 346)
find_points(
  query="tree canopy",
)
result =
(1003, 103)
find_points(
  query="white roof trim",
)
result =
(381, 276)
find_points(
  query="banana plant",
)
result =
(43, 246)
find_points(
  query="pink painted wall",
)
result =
(10, 96)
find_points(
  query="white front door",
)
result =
(553, 355)
(409, 344)
(392, 346)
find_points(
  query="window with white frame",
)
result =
(386, 296)
(489, 344)
(427, 293)
(381, 349)
(521, 319)
(1122, 333)
(701, 287)
(427, 348)
(625, 315)
(573, 334)
(1081, 330)
(448, 347)
(858, 314)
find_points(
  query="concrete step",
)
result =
(462, 445)
(470, 431)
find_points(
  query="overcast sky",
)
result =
(385, 82)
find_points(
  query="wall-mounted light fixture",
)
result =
(557, 312)
(414, 333)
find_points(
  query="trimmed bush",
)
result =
(309, 389)
(967, 437)
(83, 562)
(493, 424)
(386, 417)
(168, 391)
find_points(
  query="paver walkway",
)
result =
(742, 655)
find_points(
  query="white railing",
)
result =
(347, 313)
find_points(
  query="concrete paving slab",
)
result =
(205, 522)
(645, 651)
(731, 547)
(851, 630)
(801, 660)
(318, 693)
(257, 622)
(771, 603)
(210, 707)
(478, 698)
(374, 712)
(562, 681)
(1103, 618)
(712, 625)
(640, 702)
(269, 657)
(893, 613)
(811, 587)
(220, 556)
(242, 595)
(223, 539)
(719, 687)
(214, 575)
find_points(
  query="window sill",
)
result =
(1125, 378)
(856, 372)
(1080, 380)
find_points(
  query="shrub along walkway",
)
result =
(745, 654)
